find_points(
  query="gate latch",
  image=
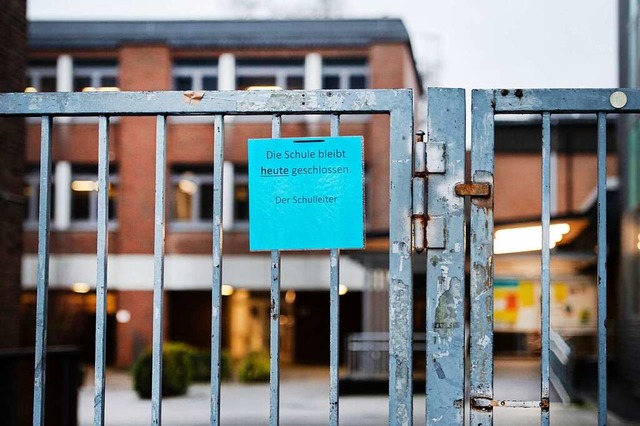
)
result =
(473, 189)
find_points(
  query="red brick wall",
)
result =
(13, 50)
(141, 68)
(136, 335)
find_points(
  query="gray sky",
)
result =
(463, 43)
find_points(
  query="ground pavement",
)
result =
(304, 401)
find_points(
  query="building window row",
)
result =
(67, 74)
(74, 196)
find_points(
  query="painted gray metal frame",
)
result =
(445, 333)
(398, 104)
(485, 104)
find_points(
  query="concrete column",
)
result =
(313, 71)
(313, 80)
(64, 80)
(64, 74)
(228, 196)
(227, 72)
(62, 179)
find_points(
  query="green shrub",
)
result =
(202, 366)
(254, 368)
(177, 370)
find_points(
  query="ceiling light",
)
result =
(529, 238)
(81, 288)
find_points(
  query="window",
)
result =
(268, 74)
(195, 75)
(84, 195)
(347, 73)
(192, 194)
(94, 74)
(82, 199)
(241, 195)
(41, 76)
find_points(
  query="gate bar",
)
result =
(602, 268)
(102, 258)
(545, 274)
(42, 296)
(158, 270)
(445, 259)
(334, 296)
(274, 344)
(481, 274)
(400, 265)
(216, 288)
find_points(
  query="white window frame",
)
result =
(280, 71)
(95, 73)
(196, 72)
(91, 222)
(195, 222)
(35, 74)
(32, 179)
(345, 72)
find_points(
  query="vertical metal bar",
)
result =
(545, 274)
(216, 289)
(101, 280)
(158, 270)
(445, 263)
(334, 296)
(274, 379)
(400, 267)
(43, 272)
(602, 268)
(481, 274)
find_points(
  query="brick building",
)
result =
(241, 55)
(225, 55)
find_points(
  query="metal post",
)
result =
(274, 344)
(545, 274)
(602, 268)
(334, 296)
(445, 257)
(481, 274)
(42, 296)
(400, 268)
(216, 288)
(158, 270)
(102, 257)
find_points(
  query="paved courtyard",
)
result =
(304, 393)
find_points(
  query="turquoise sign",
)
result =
(306, 193)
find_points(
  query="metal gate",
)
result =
(427, 193)
(445, 271)
(397, 104)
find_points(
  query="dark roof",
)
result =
(216, 34)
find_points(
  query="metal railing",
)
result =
(398, 104)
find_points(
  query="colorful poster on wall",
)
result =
(517, 306)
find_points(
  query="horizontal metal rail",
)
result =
(524, 101)
(259, 102)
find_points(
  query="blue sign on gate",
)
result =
(306, 193)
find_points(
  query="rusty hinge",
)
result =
(473, 189)
(418, 192)
(428, 231)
